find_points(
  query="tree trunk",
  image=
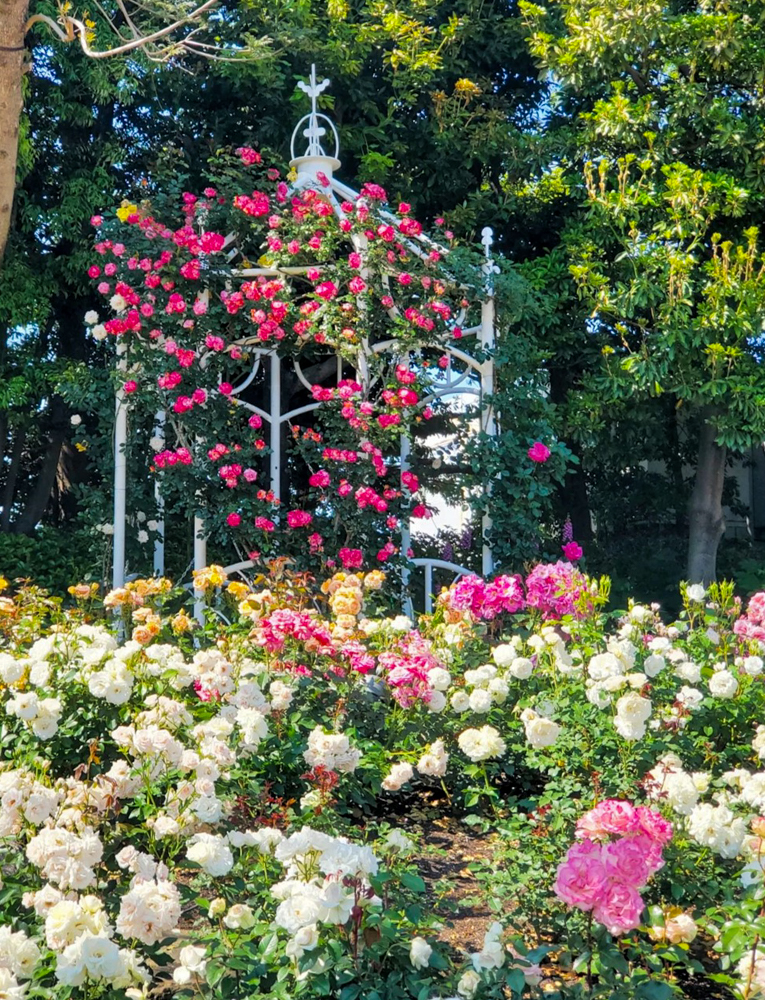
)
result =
(46, 478)
(13, 16)
(9, 492)
(706, 520)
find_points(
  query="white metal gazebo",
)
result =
(464, 374)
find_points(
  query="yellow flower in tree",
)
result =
(466, 89)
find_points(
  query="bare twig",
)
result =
(74, 28)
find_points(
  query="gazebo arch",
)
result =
(316, 168)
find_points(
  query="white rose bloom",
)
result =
(468, 984)
(212, 853)
(439, 679)
(540, 732)
(401, 624)
(701, 781)
(434, 761)
(239, 917)
(696, 593)
(597, 695)
(24, 705)
(605, 665)
(91, 317)
(481, 744)
(460, 701)
(753, 665)
(149, 912)
(192, 963)
(306, 938)
(499, 690)
(504, 654)
(521, 668)
(299, 910)
(99, 332)
(492, 954)
(690, 697)
(722, 684)
(118, 303)
(398, 776)
(688, 671)
(75, 420)
(654, 664)
(436, 702)
(420, 952)
(480, 701)
(717, 828)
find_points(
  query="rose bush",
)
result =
(221, 810)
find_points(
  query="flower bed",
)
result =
(229, 810)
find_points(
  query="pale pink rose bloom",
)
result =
(612, 816)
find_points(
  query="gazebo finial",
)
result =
(314, 132)
(315, 123)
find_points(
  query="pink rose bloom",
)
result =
(320, 478)
(233, 520)
(539, 452)
(612, 816)
(628, 860)
(619, 908)
(652, 823)
(554, 588)
(298, 518)
(581, 876)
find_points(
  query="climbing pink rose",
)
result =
(539, 452)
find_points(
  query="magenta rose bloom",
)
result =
(581, 876)
(539, 452)
(618, 907)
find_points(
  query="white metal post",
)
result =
(276, 423)
(120, 473)
(488, 421)
(159, 541)
(200, 562)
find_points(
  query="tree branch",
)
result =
(76, 29)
